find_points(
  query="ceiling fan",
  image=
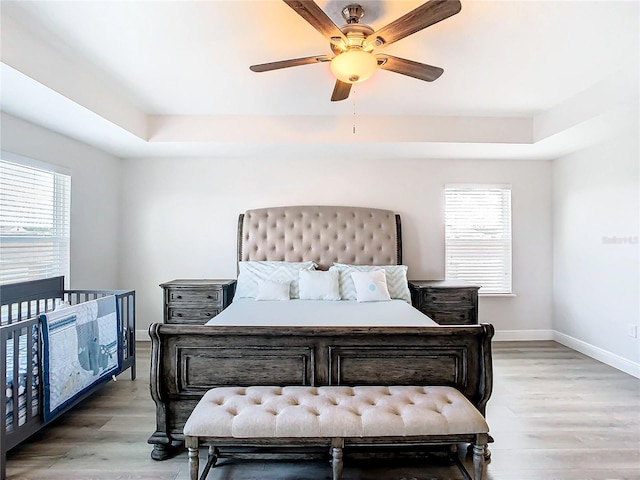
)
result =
(353, 44)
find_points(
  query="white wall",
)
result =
(94, 198)
(596, 288)
(180, 218)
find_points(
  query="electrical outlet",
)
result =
(632, 330)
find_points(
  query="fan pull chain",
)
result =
(353, 98)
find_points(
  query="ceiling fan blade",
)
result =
(421, 71)
(295, 62)
(313, 14)
(425, 15)
(340, 91)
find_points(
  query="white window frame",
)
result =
(29, 264)
(478, 236)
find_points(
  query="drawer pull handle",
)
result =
(178, 296)
(179, 314)
(209, 297)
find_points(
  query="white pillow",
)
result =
(396, 279)
(319, 285)
(251, 274)
(371, 286)
(273, 290)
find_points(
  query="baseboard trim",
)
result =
(522, 335)
(597, 353)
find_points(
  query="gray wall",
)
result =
(596, 268)
(181, 216)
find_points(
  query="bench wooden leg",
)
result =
(478, 461)
(337, 444)
(487, 451)
(192, 445)
(479, 450)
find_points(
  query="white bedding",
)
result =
(319, 313)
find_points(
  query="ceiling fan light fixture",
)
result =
(353, 66)
(352, 45)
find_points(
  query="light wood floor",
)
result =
(554, 413)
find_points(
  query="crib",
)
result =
(21, 348)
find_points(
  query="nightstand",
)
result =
(447, 302)
(196, 301)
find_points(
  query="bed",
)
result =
(306, 341)
(37, 318)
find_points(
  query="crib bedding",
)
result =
(320, 313)
(68, 378)
(22, 408)
(90, 330)
(94, 322)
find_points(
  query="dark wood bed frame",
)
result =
(187, 360)
(21, 305)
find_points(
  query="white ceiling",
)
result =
(157, 78)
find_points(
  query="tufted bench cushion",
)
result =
(282, 412)
(333, 412)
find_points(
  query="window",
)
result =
(34, 221)
(478, 236)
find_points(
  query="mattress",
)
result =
(320, 313)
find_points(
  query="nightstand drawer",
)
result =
(191, 315)
(453, 317)
(448, 296)
(199, 296)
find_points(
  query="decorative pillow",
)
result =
(371, 286)
(252, 273)
(273, 290)
(319, 285)
(396, 279)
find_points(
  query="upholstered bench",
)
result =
(335, 416)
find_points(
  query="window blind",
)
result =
(478, 235)
(34, 223)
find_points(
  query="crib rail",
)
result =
(19, 302)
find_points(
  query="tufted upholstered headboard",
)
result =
(323, 234)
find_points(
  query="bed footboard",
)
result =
(188, 360)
